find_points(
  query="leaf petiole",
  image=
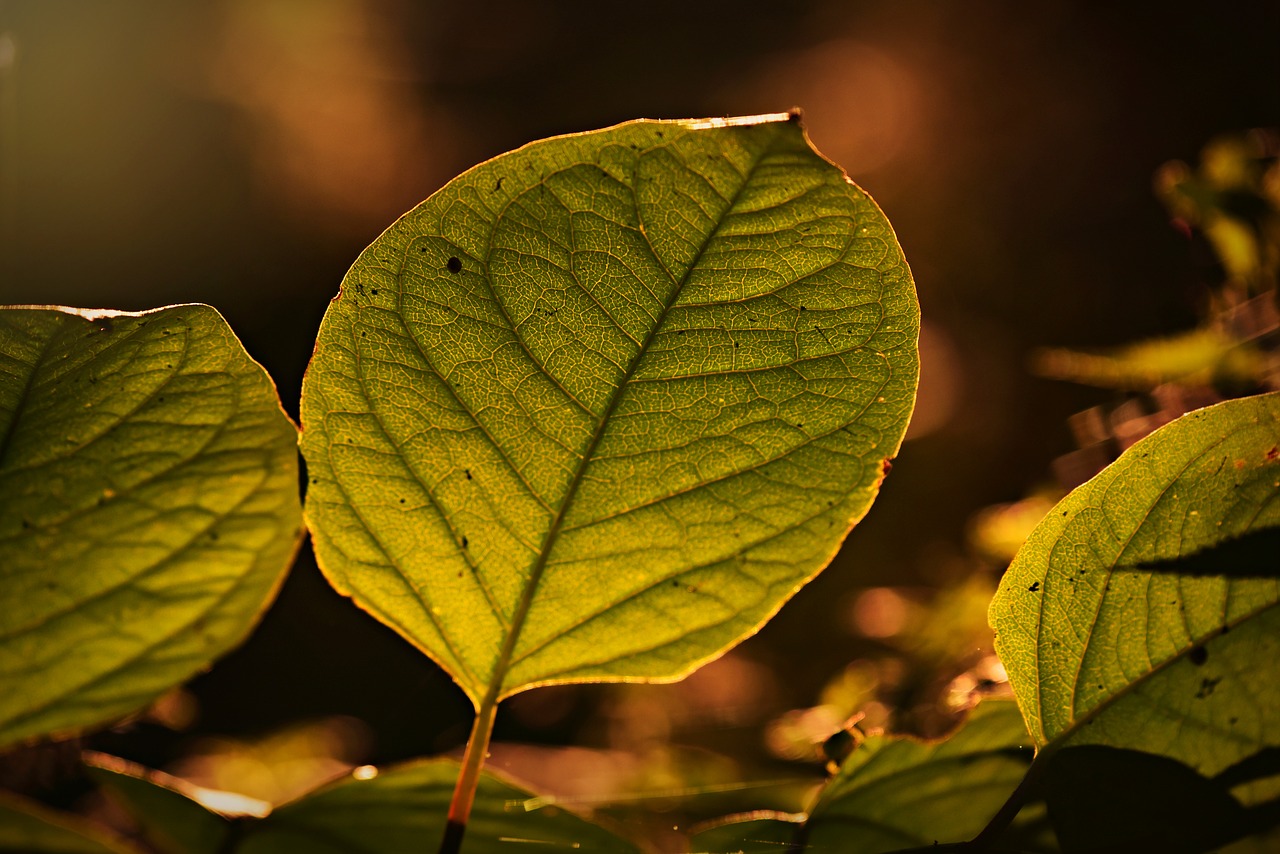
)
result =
(464, 793)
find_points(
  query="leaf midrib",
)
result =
(494, 691)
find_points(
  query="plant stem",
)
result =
(464, 794)
(1017, 800)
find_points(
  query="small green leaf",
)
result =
(597, 408)
(894, 793)
(173, 815)
(1200, 356)
(1103, 649)
(748, 833)
(29, 828)
(394, 810)
(148, 508)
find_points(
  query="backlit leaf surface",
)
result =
(148, 507)
(1107, 643)
(598, 407)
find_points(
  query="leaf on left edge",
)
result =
(148, 508)
(29, 828)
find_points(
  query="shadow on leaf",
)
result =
(1106, 799)
(1255, 554)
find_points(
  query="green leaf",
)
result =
(1106, 799)
(895, 792)
(1102, 649)
(29, 828)
(598, 407)
(148, 508)
(747, 833)
(173, 815)
(1200, 356)
(395, 810)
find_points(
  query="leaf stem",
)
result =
(1016, 801)
(464, 793)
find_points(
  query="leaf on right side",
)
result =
(1108, 641)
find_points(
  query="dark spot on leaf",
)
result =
(105, 324)
(675, 583)
(401, 500)
(802, 308)
(51, 585)
(359, 288)
(1207, 687)
(468, 474)
(464, 542)
(213, 535)
(364, 334)
(1274, 453)
(659, 134)
(1064, 512)
(886, 465)
(497, 185)
(26, 525)
(1035, 585)
(1198, 655)
(374, 292)
(454, 264)
(1232, 721)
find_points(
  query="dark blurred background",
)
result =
(242, 152)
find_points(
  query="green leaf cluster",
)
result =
(594, 412)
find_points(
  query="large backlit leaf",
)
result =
(600, 405)
(399, 809)
(1107, 643)
(148, 507)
